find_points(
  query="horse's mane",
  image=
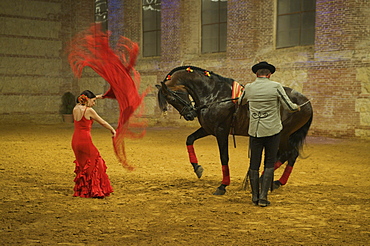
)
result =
(161, 99)
(228, 80)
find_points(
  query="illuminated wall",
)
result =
(334, 72)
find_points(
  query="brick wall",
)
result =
(335, 72)
(337, 79)
(29, 56)
(33, 67)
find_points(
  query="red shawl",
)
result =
(91, 48)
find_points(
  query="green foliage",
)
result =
(68, 103)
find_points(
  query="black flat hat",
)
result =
(263, 65)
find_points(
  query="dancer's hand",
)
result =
(114, 133)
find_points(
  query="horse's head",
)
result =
(178, 97)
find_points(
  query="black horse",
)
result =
(196, 92)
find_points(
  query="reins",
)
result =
(306, 102)
(184, 102)
(224, 100)
(190, 105)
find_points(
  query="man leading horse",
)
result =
(264, 97)
(198, 93)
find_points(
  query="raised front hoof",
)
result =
(221, 190)
(263, 203)
(199, 171)
(276, 184)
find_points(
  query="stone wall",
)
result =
(334, 72)
(33, 66)
(30, 59)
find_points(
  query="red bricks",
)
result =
(334, 72)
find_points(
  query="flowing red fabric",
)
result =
(91, 48)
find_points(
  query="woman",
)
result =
(91, 179)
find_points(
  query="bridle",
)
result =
(187, 106)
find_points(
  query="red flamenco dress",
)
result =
(91, 179)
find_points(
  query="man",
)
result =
(264, 97)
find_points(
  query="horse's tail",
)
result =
(297, 139)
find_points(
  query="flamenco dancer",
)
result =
(91, 48)
(91, 179)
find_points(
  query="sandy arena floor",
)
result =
(325, 202)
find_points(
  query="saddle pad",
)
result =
(236, 91)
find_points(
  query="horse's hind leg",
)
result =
(200, 133)
(287, 171)
(278, 164)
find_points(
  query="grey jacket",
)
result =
(264, 97)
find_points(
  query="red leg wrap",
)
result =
(286, 174)
(192, 156)
(226, 175)
(277, 165)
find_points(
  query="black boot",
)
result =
(268, 176)
(255, 185)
